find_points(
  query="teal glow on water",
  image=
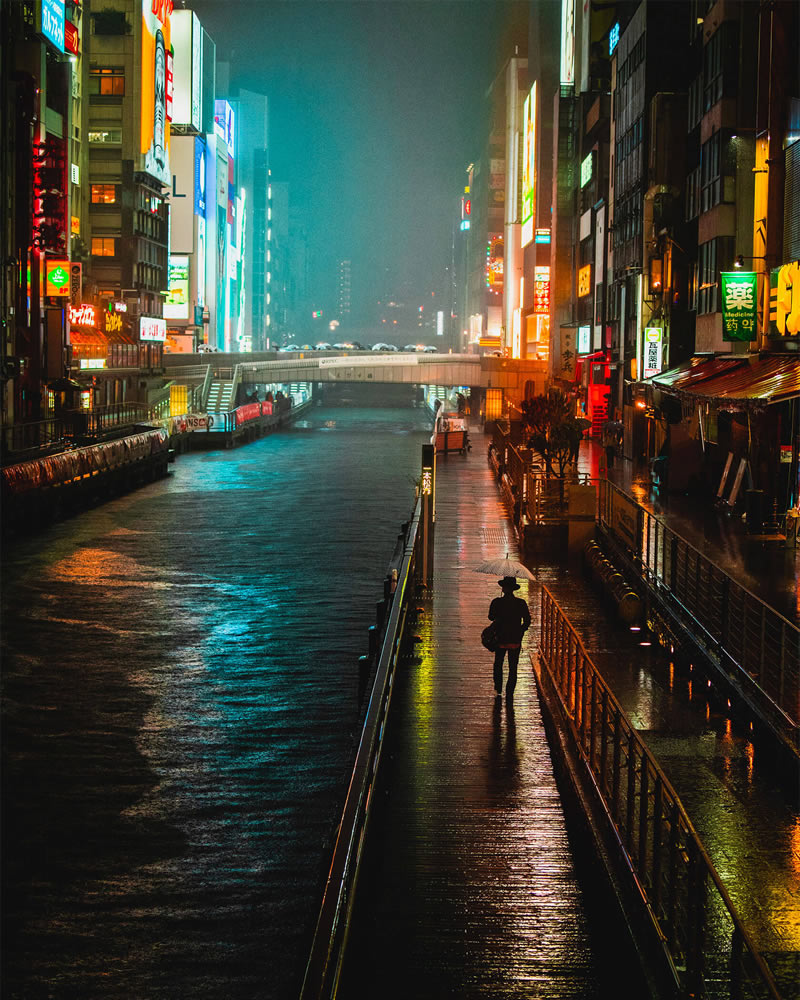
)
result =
(180, 712)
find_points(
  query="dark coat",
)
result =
(512, 618)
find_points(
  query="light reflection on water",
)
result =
(180, 677)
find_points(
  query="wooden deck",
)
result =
(469, 888)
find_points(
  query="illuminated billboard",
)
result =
(151, 328)
(199, 177)
(530, 114)
(567, 42)
(156, 48)
(51, 22)
(494, 264)
(176, 304)
(541, 290)
(187, 39)
(224, 125)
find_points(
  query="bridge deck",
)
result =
(469, 888)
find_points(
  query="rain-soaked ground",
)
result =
(179, 709)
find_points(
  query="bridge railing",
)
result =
(735, 625)
(692, 915)
(327, 951)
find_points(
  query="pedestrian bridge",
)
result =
(365, 366)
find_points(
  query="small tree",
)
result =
(552, 430)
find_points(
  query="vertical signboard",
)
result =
(154, 133)
(541, 290)
(187, 40)
(567, 42)
(739, 297)
(51, 22)
(653, 349)
(528, 215)
(176, 304)
(784, 301)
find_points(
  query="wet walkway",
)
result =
(762, 565)
(470, 887)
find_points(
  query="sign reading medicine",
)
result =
(739, 298)
(52, 22)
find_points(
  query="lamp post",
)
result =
(762, 309)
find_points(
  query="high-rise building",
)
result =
(343, 293)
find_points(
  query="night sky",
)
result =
(375, 111)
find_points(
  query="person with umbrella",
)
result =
(512, 619)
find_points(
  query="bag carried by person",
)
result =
(489, 637)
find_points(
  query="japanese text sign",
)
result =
(739, 298)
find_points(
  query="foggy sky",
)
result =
(375, 111)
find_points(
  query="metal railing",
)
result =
(734, 624)
(327, 951)
(692, 915)
(112, 416)
(25, 437)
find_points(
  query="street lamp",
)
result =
(739, 262)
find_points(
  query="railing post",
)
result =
(428, 495)
(615, 775)
(604, 741)
(644, 806)
(631, 796)
(656, 886)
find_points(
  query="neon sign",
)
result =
(82, 315)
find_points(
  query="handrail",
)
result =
(327, 950)
(609, 747)
(735, 620)
(202, 402)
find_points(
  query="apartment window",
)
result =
(720, 65)
(112, 136)
(107, 81)
(104, 194)
(693, 194)
(104, 246)
(695, 104)
(713, 257)
(717, 172)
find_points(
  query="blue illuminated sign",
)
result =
(52, 22)
(613, 37)
(199, 177)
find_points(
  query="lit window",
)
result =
(111, 135)
(104, 194)
(104, 246)
(269, 215)
(108, 81)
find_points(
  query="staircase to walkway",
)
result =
(220, 396)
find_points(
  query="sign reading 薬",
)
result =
(739, 298)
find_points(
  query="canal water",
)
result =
(180, 712)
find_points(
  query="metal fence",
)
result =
(19, 438)
(692, 915)
(736, 626)
(327, 951)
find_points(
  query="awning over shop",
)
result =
(699, 368)
(734, 383)
(88, 337)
